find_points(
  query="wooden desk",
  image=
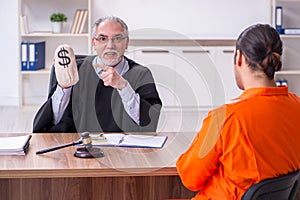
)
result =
(124, 173)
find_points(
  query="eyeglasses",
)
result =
(114, 39)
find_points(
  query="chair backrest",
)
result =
(280, 188)
(52, 79)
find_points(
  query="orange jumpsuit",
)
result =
(241, 143)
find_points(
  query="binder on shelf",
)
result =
(292, 31)
(279, 19)
(36, 55)
(24, 56)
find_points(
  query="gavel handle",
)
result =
(58, 147)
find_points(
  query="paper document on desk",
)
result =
(124, 140)
(16, 145)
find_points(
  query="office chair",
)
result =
(52, 79)
(280, 188)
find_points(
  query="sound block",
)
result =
(91, 153)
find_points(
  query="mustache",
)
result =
(110, 51)
(110, 62)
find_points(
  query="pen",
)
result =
(121, 140)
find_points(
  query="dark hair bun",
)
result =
(262, 46)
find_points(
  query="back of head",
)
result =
(262, 48)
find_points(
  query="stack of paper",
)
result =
(17, 145)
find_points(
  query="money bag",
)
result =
(65, 66)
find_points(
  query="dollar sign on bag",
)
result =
(65, 59)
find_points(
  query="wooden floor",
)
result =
(14, 119)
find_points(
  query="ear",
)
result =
(93, 42)
(238, 58)
(127, 42)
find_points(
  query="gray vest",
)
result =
(98, 108)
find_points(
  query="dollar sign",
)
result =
(65, 59)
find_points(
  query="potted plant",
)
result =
(57, 20)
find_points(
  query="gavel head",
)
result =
(86, 140)
(88, 151)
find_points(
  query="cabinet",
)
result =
(180, 81)
(190, 80)
(33, 85)
(195, 76)
(161, 62)
(291, 44)
(190, 77)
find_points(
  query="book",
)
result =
(22, 28)
(75, 21)
(26, 27)
(124, 140)
(23, 24)
(16, 145)
(83, 20)
(80, 17)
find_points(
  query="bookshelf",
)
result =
(291, 43)
(37, 27)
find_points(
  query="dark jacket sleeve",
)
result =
(150, 106)
(43, 120)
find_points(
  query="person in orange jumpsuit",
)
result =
(254, 138)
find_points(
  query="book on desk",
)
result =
(15, 145)
(128, 140)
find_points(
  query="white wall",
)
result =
(9, 47)
(193, 18)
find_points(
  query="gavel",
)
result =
(88, 151)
